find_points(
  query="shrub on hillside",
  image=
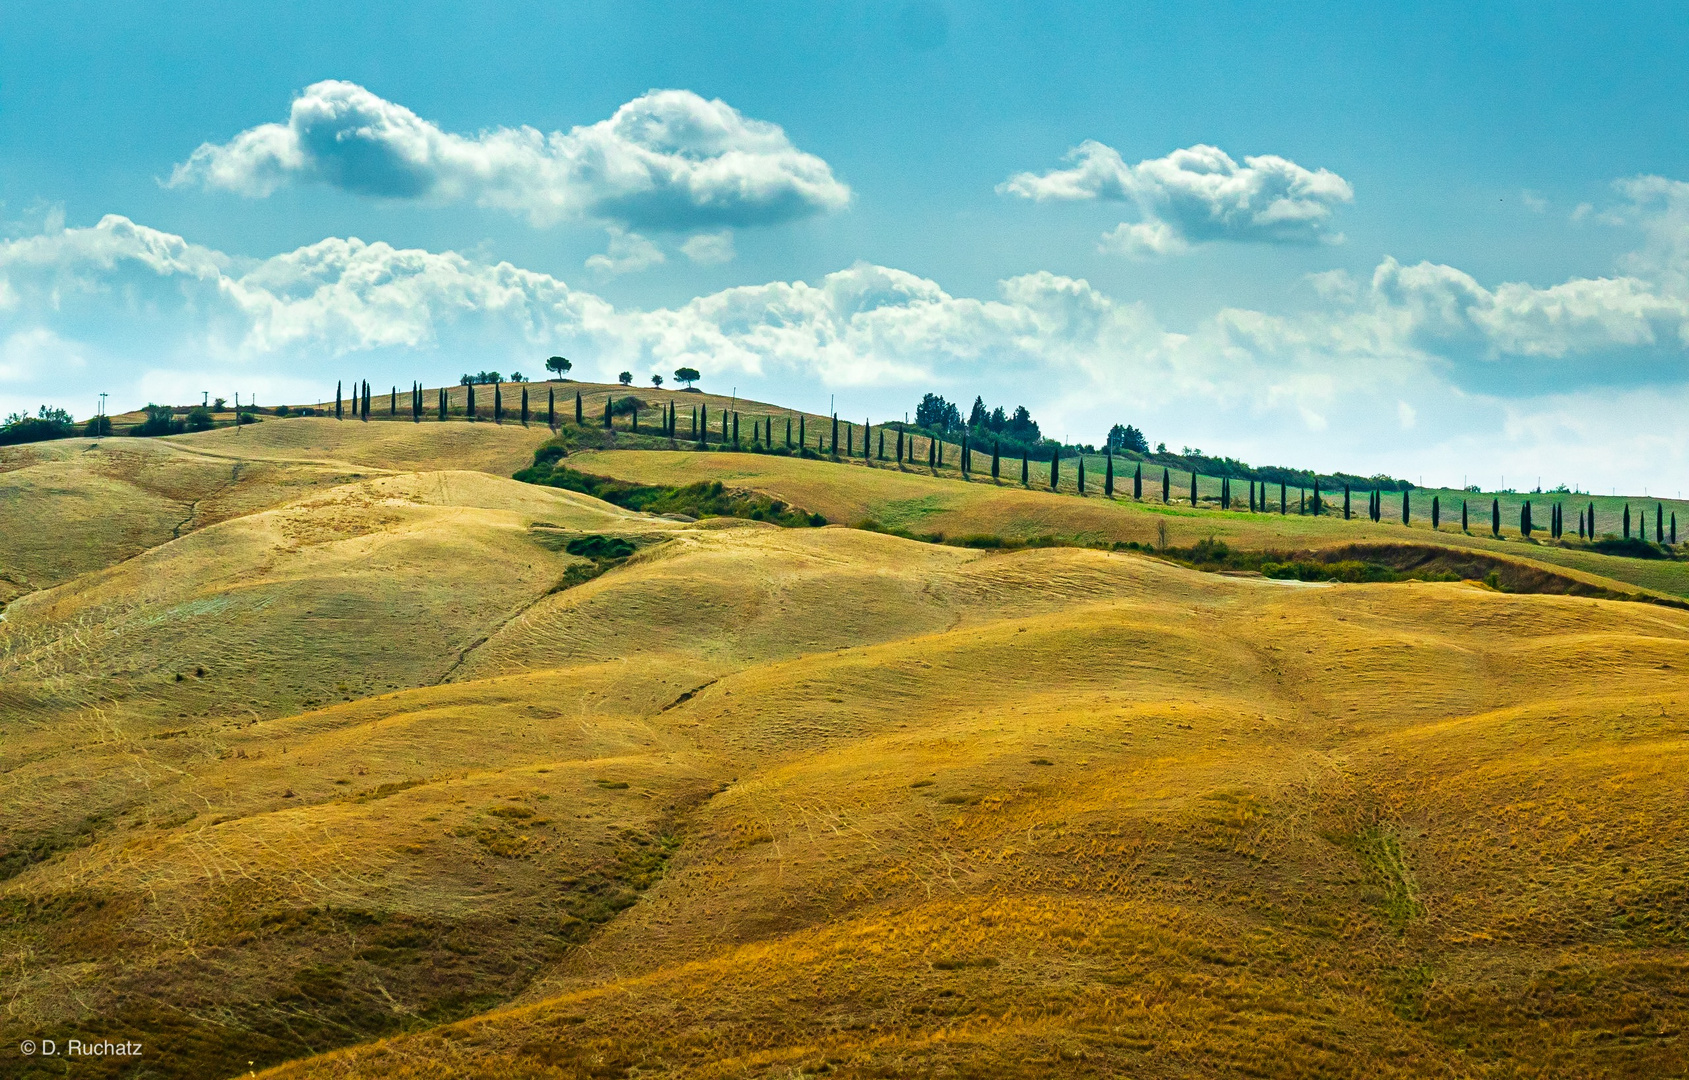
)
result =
(199, 419)
(161, 420)
(46, 424)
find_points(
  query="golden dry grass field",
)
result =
(361, 774)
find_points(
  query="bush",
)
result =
(707, 498)
(161, 420)
(97, 426)
(200, 419)
(47, 423)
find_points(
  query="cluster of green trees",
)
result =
(47, 423)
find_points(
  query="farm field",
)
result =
(334, 751)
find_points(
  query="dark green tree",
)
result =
(337, 414)
(735, 431)
(1463, 515)
(1108, 477)
(551, 408)
(1659, 523)
(469, 407)
(686, 375)
(900, 447)
(1138, 481)
(1627, 521)
(1166, 484)
(800, 431)
(1283, 508)
(443, 405)
(835, 434)
(1495, 517)
(580, 414)
(996, 456)
(1345, 502)
(1025, 469)
(557, 366)
(524, 406)
(1081, 475)
(498, 403)
(1525, 519)
(1406, 510)
(1193, 487)
(1055, 468)
(392, 401)
(1436, 513)
(606, 410)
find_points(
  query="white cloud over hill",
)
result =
(668, 159)
(1194, 196)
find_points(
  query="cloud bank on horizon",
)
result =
(1195, 196)
(668, 159)
(1364, 371)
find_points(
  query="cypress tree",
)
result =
(900, 447)
(1525, 519)
(1166, 484)
(1463, 515)
(1581, 535)
(848, 445)
(1302, 501)
(498, 403)
(724, 428)
(940, 448)
(800, 431)
(880, 449)
(1405, 511)
(701, 425)
(1316, 496)
(1592, 520)
(1436, 513)
(735, 430)
(1138, 481)
(963, 462)
(835, 434)
(416, 403)
(366, 399)
(1108, 477)
(1495, 518)
(1659, 523)
(442, 404)
(1055, 468)
(1345, 502)
(1225, 493)
(337, 386)
(932, 454)
(788, 432)
(1281, 500)
(867, 430)
(1251, 496)
(1025, 467)
(1627, 521)
(393, 401)
(580, 415)
(1674, 528)
(996, 458)
(551, 408)
(1193, 487)
(469, 408)
(524, 406)
(1081, 475)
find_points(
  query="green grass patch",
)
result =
(704, 499)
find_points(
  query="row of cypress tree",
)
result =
(762, 437)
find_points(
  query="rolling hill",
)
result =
(379, 763)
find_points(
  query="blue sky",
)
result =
(1433, 241)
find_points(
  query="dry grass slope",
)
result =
(775, 803)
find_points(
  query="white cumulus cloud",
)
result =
(628, 253)
(668, 159)
(1194, 196)
(1366, 377)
